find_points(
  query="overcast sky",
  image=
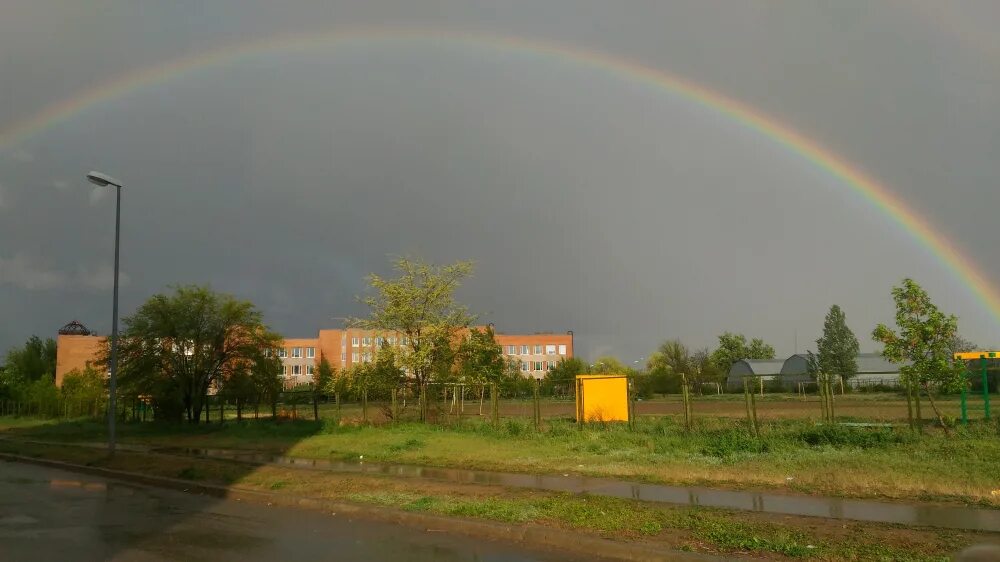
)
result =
(589, 201)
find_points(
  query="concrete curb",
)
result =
(529, 535)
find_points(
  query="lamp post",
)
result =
(103, 180)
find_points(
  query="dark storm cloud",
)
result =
(588, 201)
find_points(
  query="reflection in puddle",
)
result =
(56, 484)
(954, 517)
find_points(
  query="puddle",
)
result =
(57, 484)
(945, 516)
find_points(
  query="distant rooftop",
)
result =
(75, 328)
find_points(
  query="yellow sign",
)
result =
(967, 355)
(602, 398)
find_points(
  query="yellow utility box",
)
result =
(601, 398)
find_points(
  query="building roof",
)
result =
(74, 328)
(872, 363)
(875, 363)
(763, 366)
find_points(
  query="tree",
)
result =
(562, 377)
(385, 373)
(704, 370)
(609, 364)
(177, 346)
(674, 357)
(734, 347)
(759, 350)
(324, 375)
(837, 349)
(32, 361)
(84, 386)
(252, 382)
(925, 338)
(419, 305)
(960, 345)
(480, 357)
(481, 360)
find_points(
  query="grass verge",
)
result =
(799, 456)
(676, 527)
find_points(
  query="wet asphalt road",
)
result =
(48, 514)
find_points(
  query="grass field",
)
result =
(796, 455)
(675, 527)
(880, 407)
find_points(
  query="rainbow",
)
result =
(850, 175)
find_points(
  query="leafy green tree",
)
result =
(377, 377)
(84, 388)
(324, 376)
(419, 305)
(674, 359)
(705, 370)
(480, 357)
(32, 361)
(734, 347)
(386, 372)
(661, 380)
(837, 349)
(962, 345)
(481, 360)
(177, 346)
(562, 378)
(759, 350)
(252, 383)
(609, 364)
(925, 338)
(513, 382)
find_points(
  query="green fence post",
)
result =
(537, 412)
(986, 389)
(965, 409)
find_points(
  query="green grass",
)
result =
(715, 528)
(670, 527)
(798, 455)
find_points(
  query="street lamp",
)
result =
(104, 180)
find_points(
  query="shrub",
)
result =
(729, 443)
(847, 436)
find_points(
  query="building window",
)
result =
(511, 350)
(367, 342)
(524, 350)
(366, 357)
(524, 365)
(343, 357)
(392, 340)
(562, 349)
(310, 352)
(538, 349)
(284, 369)
(296, 352)
(538, 366)
(296, 369)
(354, 342)
(405, 341)
(550, 349)
(282, 352)
(267, 353)
(354, 357)
(309, 369)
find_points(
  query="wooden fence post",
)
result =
(494, 404)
